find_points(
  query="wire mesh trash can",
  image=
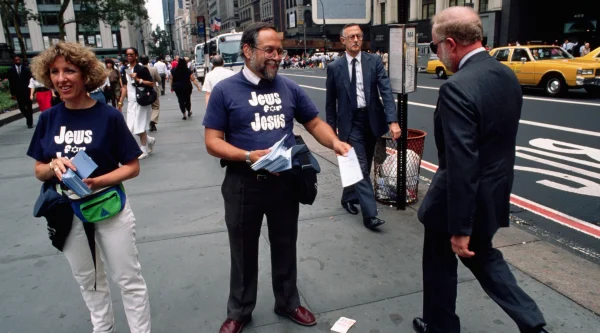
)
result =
(385, 163)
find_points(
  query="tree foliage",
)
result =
(14, 11)
(159, 42)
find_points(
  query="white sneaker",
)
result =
(151, 142)
(143, 156)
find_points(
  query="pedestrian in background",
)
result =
(215, 76)
(18, 81)
(181, 83)
(73, 70)
(249, 196)
(475, 128)
(156, 80)
(42, 94)
(138, 116)
(162, 71)
(356, 86)
(110, 91)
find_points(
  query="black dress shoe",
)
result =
(419, 325)
(373, 222)
(349, 206)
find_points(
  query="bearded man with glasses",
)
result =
(247, 113)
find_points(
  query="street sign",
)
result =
(403, 58)
(341, 11)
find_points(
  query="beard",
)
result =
(266, 71)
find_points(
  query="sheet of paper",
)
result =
(350, 168)
(343, 325)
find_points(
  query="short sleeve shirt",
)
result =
(100, 131)
(215, 76)
(257, 116)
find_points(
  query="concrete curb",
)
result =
(14, 115)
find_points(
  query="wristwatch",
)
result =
(248, 158)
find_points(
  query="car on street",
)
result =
(435, 66)
(550, 68)
(594, 55)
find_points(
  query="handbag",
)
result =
(304, 172)
(144, 95)
(100, 206)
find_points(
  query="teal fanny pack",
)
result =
(100, 206)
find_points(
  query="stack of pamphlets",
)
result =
(277, 160)
(73, 179)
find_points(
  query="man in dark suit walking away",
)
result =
(475, 125)
(355, 83)
(18, 80)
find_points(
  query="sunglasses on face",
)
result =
(434, 46)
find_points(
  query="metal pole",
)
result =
(304, 39)
(324, 26)
(402, 121)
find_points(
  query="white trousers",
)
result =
(115, 247)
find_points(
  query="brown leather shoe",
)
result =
(232, 326)
(300, 316)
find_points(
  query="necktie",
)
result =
(353, 98)
(19, 70)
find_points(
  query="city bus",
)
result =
(227, 45)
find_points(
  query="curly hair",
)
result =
(93, 72)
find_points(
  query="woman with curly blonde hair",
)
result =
(83, 124)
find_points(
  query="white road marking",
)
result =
(542, 99)
(569, 168)
(526, 122)
(559, 157)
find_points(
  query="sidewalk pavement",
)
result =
(343, 268)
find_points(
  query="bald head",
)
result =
(217, 60)
(459, 23)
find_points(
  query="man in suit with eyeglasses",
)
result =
(355, 83)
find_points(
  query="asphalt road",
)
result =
(557, 176)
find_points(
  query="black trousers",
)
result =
(363, 141)
(488, 265)
(26, 108)
(184, 98)
(162, 83)
(247, 199)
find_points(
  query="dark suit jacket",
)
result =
(475, 125)
(375, 83)
(19, 84)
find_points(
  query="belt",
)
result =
(244, 169)
(361, 109)
(42, 89)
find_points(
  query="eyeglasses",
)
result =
(434, 46)
(352, 37)
(271, 52)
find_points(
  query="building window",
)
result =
(428, 9)
(22, 19)
(382, 11)
(49, 18)
(483, 5)
(27, 41)
(48, 2)
(50, 40)
(457, 3)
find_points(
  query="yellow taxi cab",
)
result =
(550, 67)
(594, 55)
(435, 66)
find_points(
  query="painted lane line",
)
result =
(546, 212)
(559, 157)
(525, 122)
(560, 128)
(544, 161)
(541, 99)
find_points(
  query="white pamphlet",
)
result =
(343, 325)
(350, 171)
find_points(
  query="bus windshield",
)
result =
(229, 49)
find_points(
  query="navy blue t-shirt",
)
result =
(100, 130)
(255, 117)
